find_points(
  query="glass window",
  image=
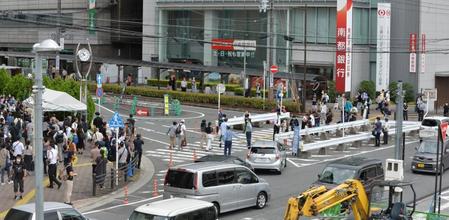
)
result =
(243, 176)
(143, 216)
(51, 216)
(298, 24)
(225, 177)
(332, 24)
(429, 122)
(368, 174)
(322, 25)
(15, 214)
(179, 179)
(263, 150)
(209, 179)
(204, 214)
(70, 214)
(311, 24)
(428, 147)
(336, 175)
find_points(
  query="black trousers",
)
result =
(385, 137)
(139, 157)
(52, 175)
(18, 185)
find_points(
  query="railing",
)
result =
(106, 181)
(258, 118)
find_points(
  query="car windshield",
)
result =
(429, 122)
(336, 175)
(143, 216)
(263, 150)
(428, 147)
(15, 214)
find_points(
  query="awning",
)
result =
(56, 101)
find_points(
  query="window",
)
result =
(263, 150)
(15, 214)
(336, 175)
(380, 170)
(70, 214)
(144, 216)
(203, 214)
(225, 177)
(429, 123)
(368, 173)
(209, 179)
(179, 179)
(243, 176)
(51, 216)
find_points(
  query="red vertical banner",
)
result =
(412, 47)
(343, 46)
(412, 43)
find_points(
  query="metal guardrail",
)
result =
(407, 127)
(322, 129)
(258, 118)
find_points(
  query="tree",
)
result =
(407, 87)
(368, 87)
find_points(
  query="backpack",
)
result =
(178, 130)
(59, 138)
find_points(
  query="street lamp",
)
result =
(40, 48)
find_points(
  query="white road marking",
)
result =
(296, 165)
(161, 142)
(117, 206)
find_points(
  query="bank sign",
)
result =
(343, 59)
(233, 48)
(383, 46)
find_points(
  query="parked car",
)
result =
(366, 170)
(425, 157)
(267, 155)
(429, 126)
(228, 186)
(224, 159)
(174, 209)
(52, 210)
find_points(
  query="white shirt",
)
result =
(75, 126)
(52, 155)
(122, 155)
(183, 129)
(18, 148)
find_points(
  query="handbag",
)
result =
(373, 132)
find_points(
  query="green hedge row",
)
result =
(200, 98)
(164, 83)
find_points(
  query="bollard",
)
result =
(324, 136)
(155, 189)
(94, 184)
(322, 151)
(126, 195)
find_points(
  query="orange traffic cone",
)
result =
(155, 190)
(194, 155)
(126, 195)
(170, 162)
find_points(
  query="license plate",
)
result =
(420, 165)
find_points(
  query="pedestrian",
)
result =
(69, 177)
(258, 90)
(228, 135)
(181, 132)
(385, 130)
(131, 125)
(5, 164)
(210, 136)
(193, 82)
(203, 138)
(28, 156)
(81, 138)
(172, 82)
(446, 109)
(138, 142)
(98, 121)
(172, 133)
(184, 85)
(377, 130)
(52, 155)
(122, 158)
(405, 111)
(294, 124)
(19, 173)
(323, 111)
(17, 148)
(248, 130)
(100, 169)
(314, 102)
(223, 127)
(276, 129)
(421, 108)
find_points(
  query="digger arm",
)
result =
(318, 199)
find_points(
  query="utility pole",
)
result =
(58, 38)
(303, 104)
(290, 69)
(269, 50)
(399, 118)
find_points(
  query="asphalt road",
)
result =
(298, 176)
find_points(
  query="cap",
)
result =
(97, 113)
(182, 120)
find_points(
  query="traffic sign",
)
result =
(99, 92)
(142, 111)
(274, 69)
(99, 80)
(116, 121)
(443, 128)
(221, 88)
(430, 94)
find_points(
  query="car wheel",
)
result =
(261, 200)
(217, 207)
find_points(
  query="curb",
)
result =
(89, 204)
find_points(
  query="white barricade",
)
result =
(258, 118)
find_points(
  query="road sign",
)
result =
(443, 128)
(142, 111)
(430, 93)
(116, 121)
(274, 69)
(221, 88)
(99, 80)
(99, 92)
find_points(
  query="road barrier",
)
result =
(101, 180)
(258, 118)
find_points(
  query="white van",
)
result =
(175, 209)
(429, 126)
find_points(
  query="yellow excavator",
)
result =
(351, 195)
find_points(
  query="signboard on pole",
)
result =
(412, 48)
(166, 105)
(423, 53)
(443, 127)
(383, 46)
(99, 92)
(274, 69)
(116, 121)
(142, 111)
(430, 95)
(343, 60)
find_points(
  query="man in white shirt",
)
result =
(52, 155)
(182, 135)
(223, 129)
(18, 148)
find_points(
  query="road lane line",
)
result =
(296, 165)
(161, 142)
(117, 206)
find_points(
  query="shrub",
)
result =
(368, 87)
(407, 87)
(164, 83)
(201, 98)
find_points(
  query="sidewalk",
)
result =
(82, 187)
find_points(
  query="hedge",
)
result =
(201, 98)
(239, 91)
(164, 83)
(407, 87)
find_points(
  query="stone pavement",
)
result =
(82, 187)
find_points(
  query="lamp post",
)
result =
(39, 48)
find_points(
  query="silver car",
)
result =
(52, 210)
(228, 186)
(267, 155)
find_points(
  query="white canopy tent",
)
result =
(56, 101)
